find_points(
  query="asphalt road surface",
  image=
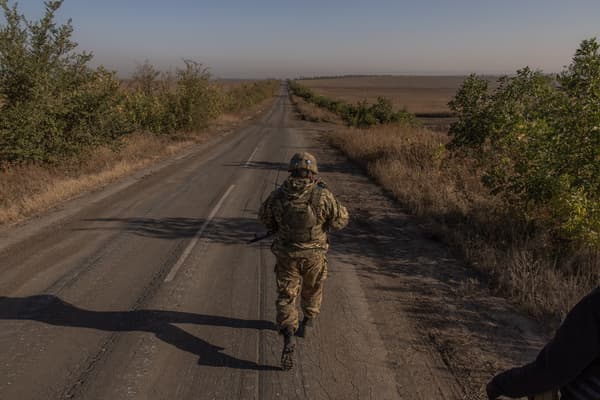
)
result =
(151, 291)
(148, 289)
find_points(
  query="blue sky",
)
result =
(255, 39)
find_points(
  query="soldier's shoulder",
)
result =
(328, 197)
(276, 193)
(323, 187)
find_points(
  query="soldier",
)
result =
(299, 214)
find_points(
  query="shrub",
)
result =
(53, 104)
(360, 115)
(246, 95)
(471, 105)
(383, 110)
(197, 101)
(538, 140)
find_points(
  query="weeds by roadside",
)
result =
(66, 127)
(361, 115)
(515, 186)
(55, 106)
(446, 191)
(29, 189)
(310, 112)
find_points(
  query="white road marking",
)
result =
(251, 157)
(197, 236)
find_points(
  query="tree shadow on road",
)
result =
(221, 230)
(261, 165)
(54, 311)
(324, 167)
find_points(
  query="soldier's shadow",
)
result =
(52, 310)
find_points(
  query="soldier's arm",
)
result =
(575, 345)
(266, 216)
(336, 215)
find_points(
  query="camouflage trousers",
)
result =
(302, 276)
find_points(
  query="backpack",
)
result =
(299, 220)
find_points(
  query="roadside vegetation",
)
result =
(361, 115)
(67, 127)
(515, 186)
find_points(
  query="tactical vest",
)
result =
(299, 219)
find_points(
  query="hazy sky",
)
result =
(254, 38)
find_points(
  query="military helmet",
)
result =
(303, 161)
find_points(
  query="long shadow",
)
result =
(282, 167)
(54, 311)
(261, 165)
(221, 230)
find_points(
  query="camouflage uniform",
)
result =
(300, 213)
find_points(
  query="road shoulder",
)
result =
(44, 221)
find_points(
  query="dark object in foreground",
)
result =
(570, 362)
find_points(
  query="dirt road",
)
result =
(148, 290)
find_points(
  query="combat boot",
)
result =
(306, 326)
(289, 346)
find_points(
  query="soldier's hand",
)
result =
(493, 391)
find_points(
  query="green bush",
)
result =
(383, 110)
(53, 104)
(471, 105)
(359, 115)
(538, 140)
(247, 95)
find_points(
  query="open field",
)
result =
(425, 96)
(419, 94)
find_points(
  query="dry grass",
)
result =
(413, 164)
(447, 193)
(445, 190)
(310, 112)
(29, 190)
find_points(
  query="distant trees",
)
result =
(538, 139)
(54, 105)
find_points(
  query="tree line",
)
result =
(537, 139)
(54, 105)
(361, 114)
